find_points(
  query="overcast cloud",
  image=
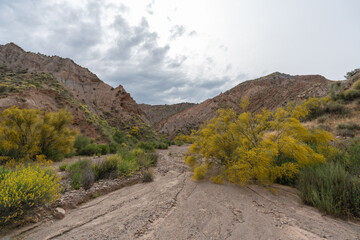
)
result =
(175, 51)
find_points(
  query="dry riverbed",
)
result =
(175, 207)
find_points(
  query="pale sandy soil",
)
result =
(176, 207)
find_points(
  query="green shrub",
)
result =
(349, 125)
(351, 94)
(353, 163)
(330, 108)
(90, 150)
(54, 155)
(119, 137)
(87, 179)
(108, 168)
(356, 85)
(330, 188)
(26, 187)
(127, 166)
(104, 149)
(148, 176)
(81, 142)
(162, 146)
(63, 166)
(147, 146)
(322, 119)
(151, 159)
(114, 147)
(179, 143)
(77, 171)
(346, 132)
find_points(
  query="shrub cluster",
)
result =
(25, 133)
(86, 146)
(265, 147)
(330, 188)
(348, 129)
(84, 173)
(25, 187)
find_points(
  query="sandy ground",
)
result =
(176, 207)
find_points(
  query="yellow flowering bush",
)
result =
(25, 187)
(264, 146)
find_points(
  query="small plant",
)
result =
(108, 168)
(148, 176)
(90, 150)
(77, 172)
(349, 125)
(87, 179)
(63, 166)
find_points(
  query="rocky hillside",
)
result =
(160, 113)
(270, 91)
(86, 93)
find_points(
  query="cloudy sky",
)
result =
(166, 52)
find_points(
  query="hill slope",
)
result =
(270, 91)
(85, 92)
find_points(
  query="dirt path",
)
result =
(175, 207)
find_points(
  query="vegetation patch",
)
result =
(25, 187)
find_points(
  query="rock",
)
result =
(59, 213)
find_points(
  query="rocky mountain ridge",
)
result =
(112, 104)
(89, 95)
(271, 91)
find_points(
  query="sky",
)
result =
(166, 52)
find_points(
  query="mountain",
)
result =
(157, 114)
(51, 82)
(271, 91)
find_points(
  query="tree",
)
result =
(25, 133)
(258, 146)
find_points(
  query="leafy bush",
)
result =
(349, 125)
(331, 189)
(351, 94)
(262, 147)
(81, 142)
(88, 178)
(329, 108)
(63, 166)
(148, 176)
(104, 149)
(114, 147)
(90, 150)
(128, 166)
(25, 133)
(179, 143)
(147, 146)
(356, 85)
(353, 163)
(108, 168)
(77, 172)
(346, 132)
(26, 187)
(151, 159)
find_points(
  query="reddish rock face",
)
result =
(271, 91)
(114, 104)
